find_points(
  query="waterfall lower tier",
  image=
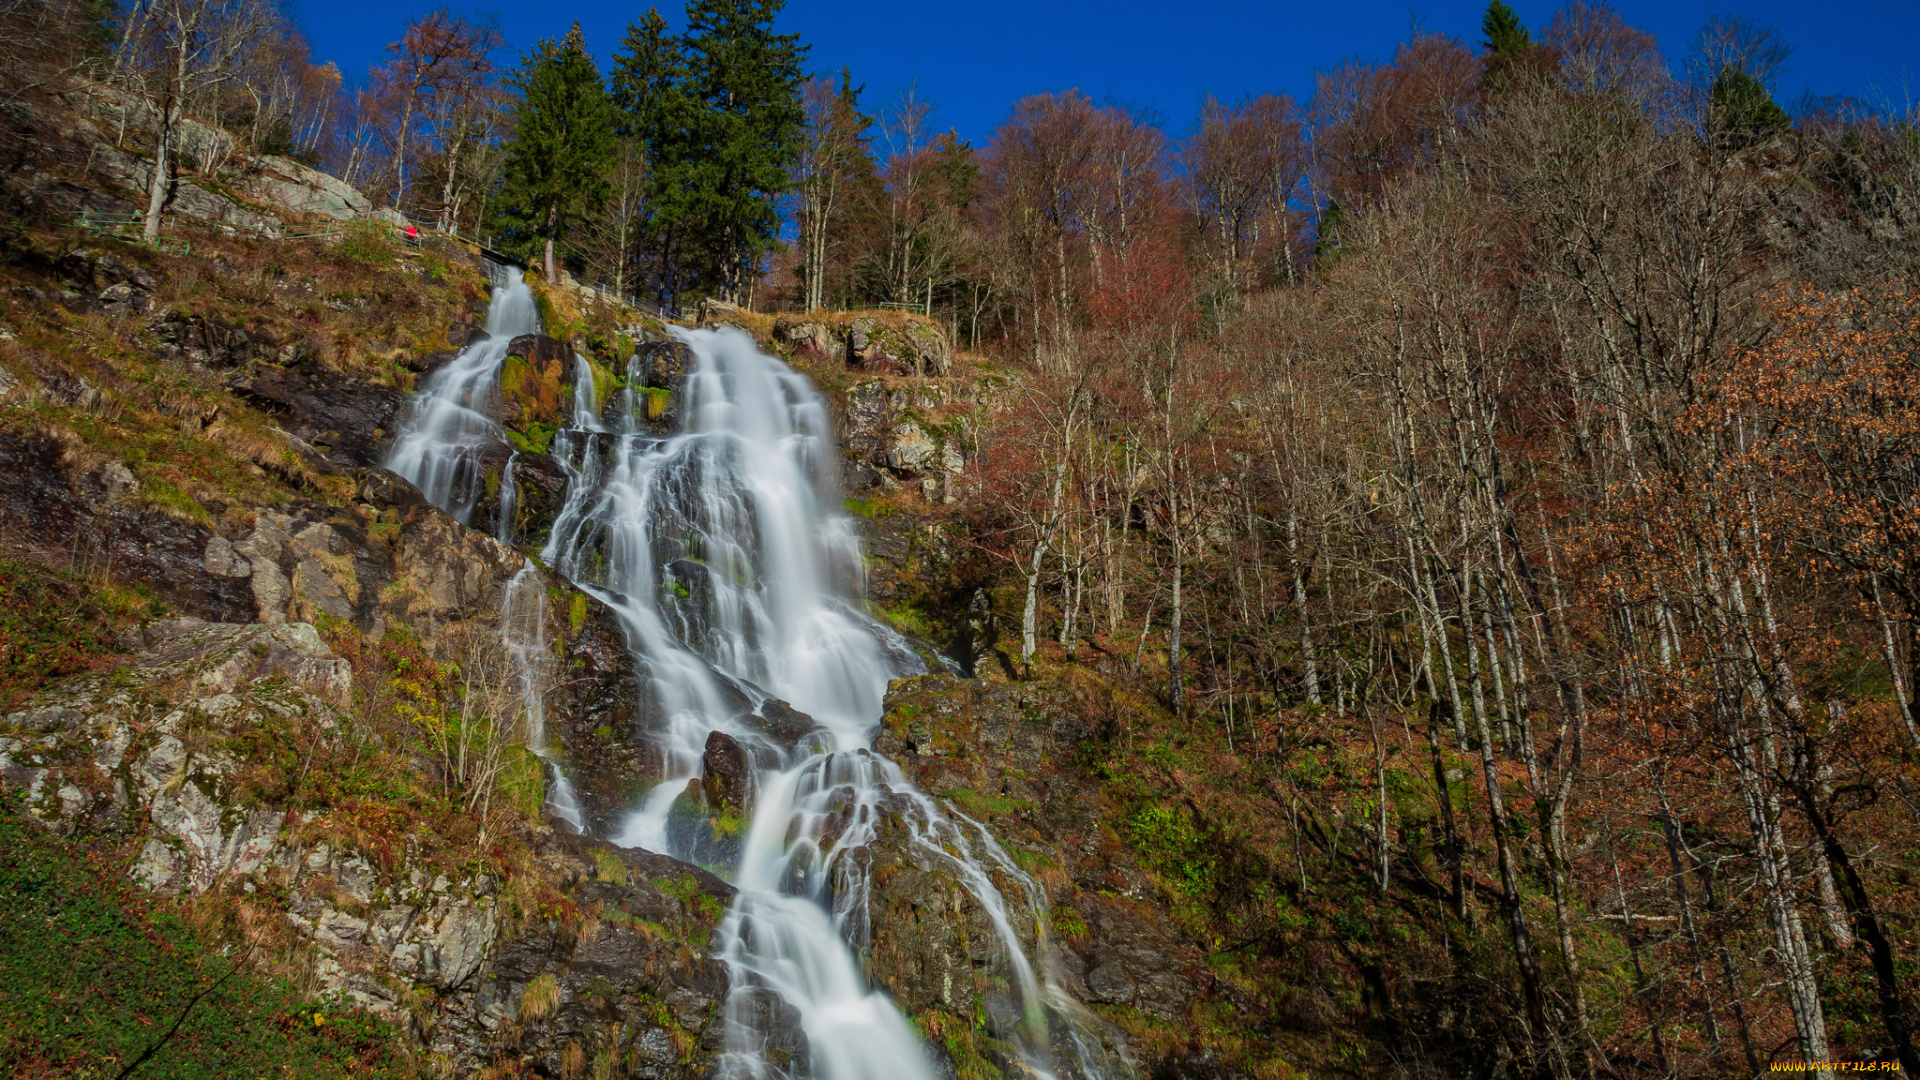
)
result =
(734, 575)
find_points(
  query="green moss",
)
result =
(908, 620)
(659, 400)
(536, 439)
(577, 614)
(608, 867)
(93, 975)
(513, 375)
(728, 824)
(976, 805)
(686, 889)
(605, 382)
(1067, 922)
(52, 625)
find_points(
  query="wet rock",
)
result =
(726, 775)
(781, 723)
(349, 421)
(704, 832)
(959, 739)
(461, 335)
(536, 382)
(933, 946)
(594, 714)
(1107, 981)
(389, 490)
(539, 493)
(772, 1030)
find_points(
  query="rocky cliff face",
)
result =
(581, 953)
(1006, 755)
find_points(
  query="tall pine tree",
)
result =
(555, 167)
(1511, 56)
(743, 127)
(1505, 34)
(652, 111)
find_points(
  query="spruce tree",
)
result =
(1745, 110)
(652, 110)
(744, 123)
(1510, 52)
(1506, 37)
(555, 165)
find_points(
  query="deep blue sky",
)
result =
(973, 60)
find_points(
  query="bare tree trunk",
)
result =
(1173, 625)
(158, 185)
(1311, 668)
(1687, 923)
(1902, 692)
(1029, 619)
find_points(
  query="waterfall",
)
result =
(724, 553)
(441, 444)
(523, 625)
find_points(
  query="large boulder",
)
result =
(708, 820)
(536, 383)
(726, 775)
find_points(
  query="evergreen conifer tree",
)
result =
(1506, 37)
(652, 110)
(1327, 248)
(555, 166)
(1746, 111)
(744, 123)
(1510, 51)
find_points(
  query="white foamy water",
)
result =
(724, 553)
(440, 446)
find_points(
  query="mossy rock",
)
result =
(536, 383)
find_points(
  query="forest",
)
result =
(1499, 471)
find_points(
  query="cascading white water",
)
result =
(723, 551)
(440, 446)
(524, 631)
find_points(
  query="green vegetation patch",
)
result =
(978, 805)
(659, 400)
(95, 977)
(54, 625)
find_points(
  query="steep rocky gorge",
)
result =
(205, 431)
